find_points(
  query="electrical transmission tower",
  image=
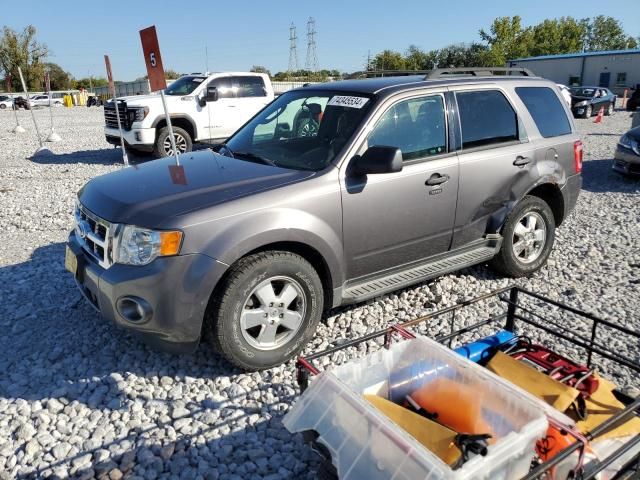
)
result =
(293, 49)
(312, 57)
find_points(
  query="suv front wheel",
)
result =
(528, 236)
(266, 310)
(163, 147)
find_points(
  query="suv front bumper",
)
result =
(176, 291)
(626, 161)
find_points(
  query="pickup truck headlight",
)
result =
(141, 246)
(583, 103)
(140, 113)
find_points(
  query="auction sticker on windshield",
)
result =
(348, 101)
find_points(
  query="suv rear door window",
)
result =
(416, 126)
(249, 87)
(486, 118)
(546, 110)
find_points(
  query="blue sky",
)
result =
(242, 34)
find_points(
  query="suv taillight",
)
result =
(578, 150)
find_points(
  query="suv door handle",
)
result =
(521, 161)
(437, 179)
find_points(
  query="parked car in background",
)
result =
(21, 102)
(43, 100)
(566, 93)
(633, 102)
(333, 194)
(6, 102)
(587, 101)
(627, 156)
(205, 108)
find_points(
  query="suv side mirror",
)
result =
(378, 159)
(211, 94)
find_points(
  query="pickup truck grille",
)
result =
(95, 235)
(111, 119)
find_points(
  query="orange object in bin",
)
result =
(456, 405)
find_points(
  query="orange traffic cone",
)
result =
(599, 116)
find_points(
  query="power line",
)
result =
(312, 57)
(293, 49)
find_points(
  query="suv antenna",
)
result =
(206, 58)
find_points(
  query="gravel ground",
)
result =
(82, 399)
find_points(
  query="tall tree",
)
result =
(555, 36)
(389, 60)
(606, 33)
(507, 39)
(24, 51)
(462, 55)
(59, 79)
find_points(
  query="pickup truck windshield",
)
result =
(302, 129)
(184, 85)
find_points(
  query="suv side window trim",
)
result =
(522, 133)
(382, 109)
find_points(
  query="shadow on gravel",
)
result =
(105, 156)
(598, 177)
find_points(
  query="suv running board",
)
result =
(452, 262)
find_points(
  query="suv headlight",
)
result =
(141, 246)
(140, 113)
(583, 103)
(627, 142)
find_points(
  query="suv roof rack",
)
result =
(386, 73)
(477, 72)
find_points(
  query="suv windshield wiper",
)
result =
(252, 156)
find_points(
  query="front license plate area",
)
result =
(70, 261)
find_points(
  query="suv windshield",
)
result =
(184, 85)
(302, 129)
(583, 92)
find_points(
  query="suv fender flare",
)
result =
(284, 226)
(496, 222)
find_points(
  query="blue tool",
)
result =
(482, 349)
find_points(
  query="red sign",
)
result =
(177, 174)
(112, 86)
(152, 59)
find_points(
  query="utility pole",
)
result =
(368, 60)
(293, 49)
(312, 58)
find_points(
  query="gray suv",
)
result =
(330, 195)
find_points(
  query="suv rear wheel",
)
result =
(267, 310)
(163, 148)
(528, 236)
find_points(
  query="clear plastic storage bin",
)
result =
(365, 444)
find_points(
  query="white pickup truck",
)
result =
(207, 108)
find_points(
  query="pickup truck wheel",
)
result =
(528, 236)
(163, 148)
(267, 309)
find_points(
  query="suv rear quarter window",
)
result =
(249, 86)
(486, 118)
(546, 110)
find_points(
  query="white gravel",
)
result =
(80, 398)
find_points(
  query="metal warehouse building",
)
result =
(614, 69)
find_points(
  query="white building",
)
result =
(614, 69)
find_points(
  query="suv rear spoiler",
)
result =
(478, 72)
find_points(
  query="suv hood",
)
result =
(147, 196)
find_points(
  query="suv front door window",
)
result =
(397, 218)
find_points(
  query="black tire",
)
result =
(231, 298)
(506, 261)
(588, 111)
(608, 110)
(2, 106)
(159, 150)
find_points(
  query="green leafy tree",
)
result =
(606, 33)
(260, 69)
(556, 36)
(24, 51)
(462, 55)
(389, 60)
(87, 82)
(507, 39)
(59, 79)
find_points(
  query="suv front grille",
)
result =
(95, 235)
(111, 118)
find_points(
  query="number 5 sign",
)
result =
(152, 58)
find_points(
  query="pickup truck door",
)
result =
(393, 219)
